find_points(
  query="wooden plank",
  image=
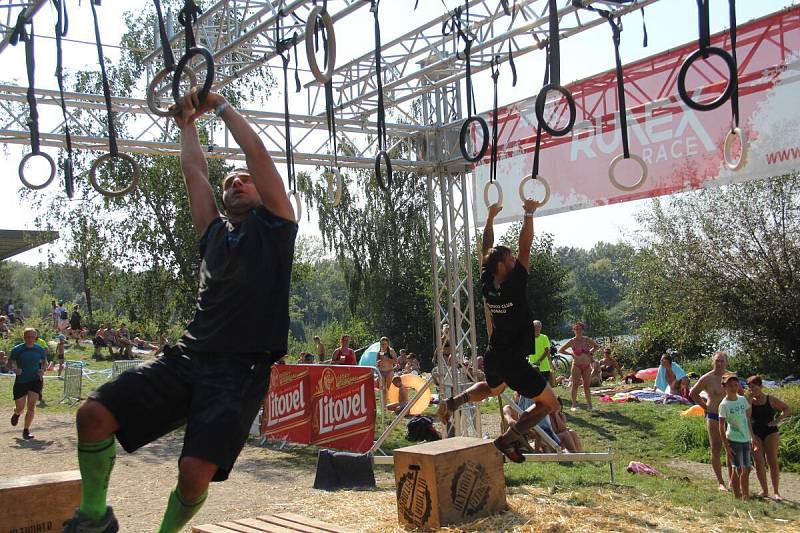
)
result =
(442, 446)
(383, 460)
(324, 526)
(603, 457)
(288, 524)
(250, 525)
(17, 482)
(211, 528)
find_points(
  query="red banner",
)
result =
(330, 406)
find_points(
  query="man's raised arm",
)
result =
(488, 229)
(526, 235)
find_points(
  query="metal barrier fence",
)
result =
(118, 367)
(73, 382)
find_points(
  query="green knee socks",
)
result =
(179, 511)
(95, 460)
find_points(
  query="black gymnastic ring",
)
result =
(44, 184)
(384, 186)
(732, 79)
(176, 79)
(541, 100)
(462, 138)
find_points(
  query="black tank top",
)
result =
(763, 414)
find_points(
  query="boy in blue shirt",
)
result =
(29, 361)
(734, 411)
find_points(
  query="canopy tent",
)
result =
(13, 241)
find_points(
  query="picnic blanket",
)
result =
(649, 395)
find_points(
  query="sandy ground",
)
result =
(267, 481)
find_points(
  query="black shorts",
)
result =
(217, 396)
(511, 366)
(22, 389)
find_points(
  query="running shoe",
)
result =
(26, 434)
(14, 419)
(443, 412)
(513, 445)
(80, 523)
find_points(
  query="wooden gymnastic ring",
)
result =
(726, 149)
(539, 179)
(541, 100)
(486, 193)
(462, 138)
(298, 212)
(384, 186)
(136, 173)
(612, 175)
(183, 63)
(733, 78)
(335, 185)
(327, 22)
(152, 91)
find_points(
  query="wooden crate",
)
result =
(38, 502)
(282, 522)
(449, 481)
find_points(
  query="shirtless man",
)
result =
(711, 382)
(609, 366)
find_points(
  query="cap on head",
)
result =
(729, 376)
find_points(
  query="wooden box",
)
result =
(277, 523)
(449, 481)
(39, 502)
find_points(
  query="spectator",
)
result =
(344, 355)
(402, 361)
(671, 378)
(123, 331)
(9, 312)
(30, 361)
(734, 427)
(766, 436)
(609, 367)
(101, 341)
(143, 344)
(19, 317)
(386, 360)
(320, 349)
(402, 396)
(4, 367)
(540, 358)
(306, 358)
(583, 349)
(54, 314)
(60, 353)
(63, 318)
(4, 326)
(568, 437)
(412, 365)
(75, 328)
(446, 349)
(511, 416)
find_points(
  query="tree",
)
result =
(725, 258)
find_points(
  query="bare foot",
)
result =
(573, 408)
(723, 488)
(777, 497)
(763, 495)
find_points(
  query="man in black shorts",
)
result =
(504, 280)
(30, 360)
(215, 378)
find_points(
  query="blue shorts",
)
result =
(741, 458)
(712, 416)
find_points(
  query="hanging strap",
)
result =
(187, 17)
(62, 24)
(616, 31)
(735, 93)
(704, 23)
(553, 43)
(493, 157)
(283, 46)
(535, 169)
(21, 33)
(112, 132)
(166, 49)
(382, 142)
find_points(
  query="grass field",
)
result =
(646, 432)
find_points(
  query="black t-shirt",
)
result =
(243, 299)
(511, 317)
(75, 320)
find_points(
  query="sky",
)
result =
(670, 23)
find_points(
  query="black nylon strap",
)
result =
(112, 132)
(644, 30)
(555, 48)
(330, 113)
(62, 24)
(616, 31)
(382, 141)
(493, 158)
(290, 171)
(187, 17)
(704, 21)
(21, 33)
(735, 93)
(166, 49)
(535, 170)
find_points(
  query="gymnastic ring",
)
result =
(184, 61)
(298, 212)
(726, 149)
(415, 382)
(462, 138)
(334, 180)
(152, 90)
(120, 192)
(327, 22)
(486, 188)
(541, 100)
(539, 179)
(384, 186)
(47, 182)
(732, 80)
(613, 166)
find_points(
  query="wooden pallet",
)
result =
(276, 523)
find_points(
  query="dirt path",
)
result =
(790, 483)
(267, 481)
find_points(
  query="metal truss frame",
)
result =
(423, 71)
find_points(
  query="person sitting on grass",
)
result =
(412, 365)
(736, 430)
(671, 378)
(568, 437)
(402, 396)
(143, 344)
(3, 326)
(609, 366)
(100, 341)
(510, 415)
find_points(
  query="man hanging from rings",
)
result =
(215, 378)
(504, 281)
